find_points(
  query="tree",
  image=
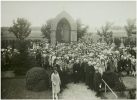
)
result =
(80, 29)
(45, 29)
(104, 31)
(22, 61)
(117, 41)
(21, 28)
(130, 27)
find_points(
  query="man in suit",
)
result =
(132, 52)
(87, 75)
(76, 71)
(61, 75)
(83, 70)
(122, 61)
(90, 75)
(66, 75)
(92, 71)
(127, 65)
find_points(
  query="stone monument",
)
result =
(63, 29)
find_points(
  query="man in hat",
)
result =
(61, 74)
(38, 57)
(66, 75)
(111, 64)
(83, 70)
(88, 74)
(70, 67)
(132, 52)
(127, 65)
(97, 80)
(115, 64)
(43, 55)
(76, 71)
(47, 61)
(53, 59)
(91, 75)
(122, 61)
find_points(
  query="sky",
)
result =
(92, 13)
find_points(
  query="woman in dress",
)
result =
(55, 79)
(103, 65)
(115, 63)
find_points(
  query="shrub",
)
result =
(110, 78)
(114, 81)
(37, 79)
(120, 86)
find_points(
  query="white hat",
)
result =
(110, 54)
(95, 67)
(94, 63)
(100, 70)
(89, 62)
(2, 49)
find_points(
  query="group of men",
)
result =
(6, 58)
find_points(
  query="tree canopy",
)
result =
(81, 29)
(130, 27)
(21, 28)
(45, 29)
(104, 30)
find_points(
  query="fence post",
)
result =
(105, 89)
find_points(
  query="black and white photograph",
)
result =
(73, 50)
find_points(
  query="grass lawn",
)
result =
(129, 81)
(14, 88)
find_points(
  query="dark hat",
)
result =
(54, 68)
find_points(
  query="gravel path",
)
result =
(78, 91)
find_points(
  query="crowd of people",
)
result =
(75, 62)
(6, 58)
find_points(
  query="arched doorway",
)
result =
(63, 31)
(69, 29)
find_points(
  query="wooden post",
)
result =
(105, 89)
